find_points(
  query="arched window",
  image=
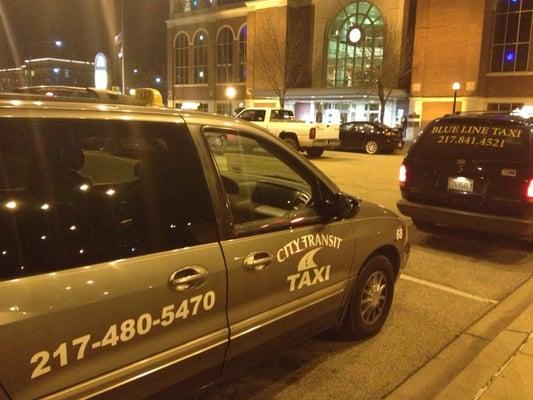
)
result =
(512, 36)
(225, 55)
(181, 59)
(355, 45)
(243, 36)
(200, 57)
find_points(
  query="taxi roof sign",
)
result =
(149, 97)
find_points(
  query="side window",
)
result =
(261, 183)
(350, 127)
(253, 115)
(282, 115)
(276, 115)
(74, 193)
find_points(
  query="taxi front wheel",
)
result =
(371, 299)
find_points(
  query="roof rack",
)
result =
(70, 94)
(523, 113)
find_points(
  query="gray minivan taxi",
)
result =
(143, 247)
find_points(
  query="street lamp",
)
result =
(230, 94)
(57, 43)
(456, 86)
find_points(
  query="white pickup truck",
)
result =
(303, 136)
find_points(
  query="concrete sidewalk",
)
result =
(493, 359)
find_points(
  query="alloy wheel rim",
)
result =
(371, 147)
(373, 297)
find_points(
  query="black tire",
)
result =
(314, 152)
(372, 147)
(292, 143)
(424, 226)
(369, 306)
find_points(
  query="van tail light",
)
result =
(402, 178)
(529, 193)
(312, 133)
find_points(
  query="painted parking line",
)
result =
(448, 289)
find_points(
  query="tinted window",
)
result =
(74, 193)
(473, 140)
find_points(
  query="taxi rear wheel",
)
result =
(371, 299)
(425, 226)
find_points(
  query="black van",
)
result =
(471, 171)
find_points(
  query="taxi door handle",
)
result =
(257, 261)
(187, 278)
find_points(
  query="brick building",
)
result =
(48, 71)
(484, 45)
(319, 57)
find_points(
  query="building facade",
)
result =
(322, 58)
(48, 71)
(483, 45)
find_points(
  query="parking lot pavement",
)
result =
(451, 281)
(420, 324)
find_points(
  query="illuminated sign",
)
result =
(100, 71)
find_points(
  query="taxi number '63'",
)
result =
(76, 349)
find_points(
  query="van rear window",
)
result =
(473, 140)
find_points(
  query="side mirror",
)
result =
(341, 206)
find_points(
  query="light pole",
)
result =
(57, 43)
(123, 62)
(230, 94)
(456, 86)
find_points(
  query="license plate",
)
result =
(461, 184)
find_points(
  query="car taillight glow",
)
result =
(402, 178)
(312, 133)
(530, 190)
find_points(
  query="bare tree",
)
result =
(282, 54)
(391, 72)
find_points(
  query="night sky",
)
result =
(86, 27)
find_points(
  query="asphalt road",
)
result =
(451, 281)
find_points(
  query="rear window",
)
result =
(281, 115)
(252, 115)
(474, 140)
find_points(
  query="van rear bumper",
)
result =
(515, 226)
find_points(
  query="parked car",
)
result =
(471, 171)
(310, 137)
(143, 247)
(370, 137)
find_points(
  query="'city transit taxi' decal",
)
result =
(76, 349)
(473, 135)
(304, 242)
(308, 272)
